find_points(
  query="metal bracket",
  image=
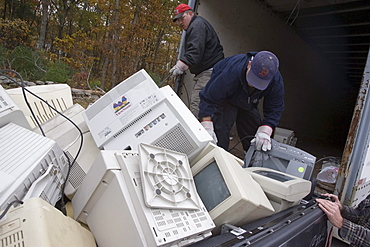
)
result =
(225, 228)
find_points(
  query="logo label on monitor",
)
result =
(121, 105)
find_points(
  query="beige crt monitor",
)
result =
(37, 223)
(282, 189)
(58, 96)
(229, 193)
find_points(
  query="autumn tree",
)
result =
(107, 40)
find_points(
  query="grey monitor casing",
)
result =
(282, 157)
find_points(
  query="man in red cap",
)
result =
(202, 50)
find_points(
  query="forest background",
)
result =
(88, 43)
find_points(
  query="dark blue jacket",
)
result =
(202, 46)
(228, 85)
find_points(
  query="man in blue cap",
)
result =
(232, 96)
(202, 50)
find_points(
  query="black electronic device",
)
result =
(282, 157)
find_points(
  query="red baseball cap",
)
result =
(179, 11)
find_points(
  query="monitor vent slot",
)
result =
(77, 174)
(44, 196)
(3, 102)
(43, 112)
(16, 239)
(198, 218)
(132, 123)
(176, 140)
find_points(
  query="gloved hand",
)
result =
(208, 125)
(179, 68)
(262, 138)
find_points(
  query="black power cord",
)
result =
(8, 207)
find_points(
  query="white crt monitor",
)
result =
(229, 193)
(111, 202)
(283, 190)
(137, 111)
(31, 165)
(10, 112)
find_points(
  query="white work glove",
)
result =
(179, 68)
(208, 125)
(262, 138)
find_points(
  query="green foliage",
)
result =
(28, 62)
(95, 83)
(57, 72)
(33, 64)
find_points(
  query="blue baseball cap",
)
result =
(263, 68)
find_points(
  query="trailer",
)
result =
(324, 107)
(317, 95)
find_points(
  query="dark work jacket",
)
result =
(228, 85)
(202, 46)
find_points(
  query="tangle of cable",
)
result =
(24, 90)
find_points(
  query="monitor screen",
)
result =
(229, 193)
(207, 180)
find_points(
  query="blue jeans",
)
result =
(247, 123)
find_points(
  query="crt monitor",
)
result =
(111, 202)
(37, 223)
(144, 114)
(282, 157)
(31, 165)
(229, 193)
(283, 190)
(10, 112)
